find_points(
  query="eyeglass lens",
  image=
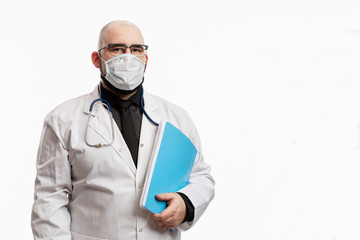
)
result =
(136, 50)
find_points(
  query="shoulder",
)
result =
(67, 111)
(70, 104)
(170, 112)
(165, 107)
(67, 118)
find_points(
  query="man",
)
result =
(90, 171)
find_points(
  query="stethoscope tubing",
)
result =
(142, 107)
(110, 109)
(101, 100)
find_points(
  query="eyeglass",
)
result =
(138, 50)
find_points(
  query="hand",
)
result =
(175, 212)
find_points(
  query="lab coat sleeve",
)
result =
(50, 218)
(200, 189)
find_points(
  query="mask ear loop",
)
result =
(102, 74)
(142, 107)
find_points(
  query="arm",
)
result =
(200, 190)
(50, 218)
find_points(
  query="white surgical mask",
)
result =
(125, 71)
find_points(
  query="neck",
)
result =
(122, 94)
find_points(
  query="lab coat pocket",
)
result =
(76, 236)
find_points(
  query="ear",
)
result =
(146, 61)
(95, 59)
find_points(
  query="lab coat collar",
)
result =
(149, 102)
(90, 98)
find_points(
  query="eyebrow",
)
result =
(123, 44)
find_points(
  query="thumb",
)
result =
(164, 196)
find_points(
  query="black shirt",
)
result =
(128, 117)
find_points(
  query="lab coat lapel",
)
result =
(103, 129)
(122, 149)
(148, 132)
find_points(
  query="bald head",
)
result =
(120, 30)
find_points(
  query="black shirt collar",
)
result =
(114, 99)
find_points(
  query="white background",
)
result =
(273, 87)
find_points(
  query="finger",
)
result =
(163, 216)
(169, 217)
(166, 218)
(168, 223)
(165, 196)
(168, 211)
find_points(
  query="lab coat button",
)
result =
(120, 149)
(139, 186)
(141, 145)
(140, 229)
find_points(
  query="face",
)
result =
(127, 35)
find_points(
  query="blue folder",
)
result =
(170, 173)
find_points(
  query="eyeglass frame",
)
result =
(123, 45)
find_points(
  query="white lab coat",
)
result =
(84, 192)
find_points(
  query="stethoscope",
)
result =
(107, 105)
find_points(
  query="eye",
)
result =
(137, 49)
(117, 49)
